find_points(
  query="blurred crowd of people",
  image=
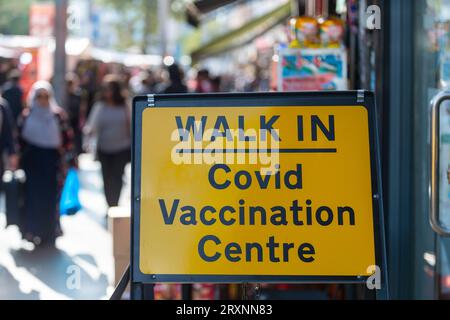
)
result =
(44, 139)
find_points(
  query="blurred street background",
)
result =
(87, 244)
(69, 70)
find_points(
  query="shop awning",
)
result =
(244, 34)
(199, 7)
(127, 59)
(7, 53)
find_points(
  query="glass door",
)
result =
(431, 150)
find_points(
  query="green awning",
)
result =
(244, 34)
(195, 10)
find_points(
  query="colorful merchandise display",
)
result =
(316, 58)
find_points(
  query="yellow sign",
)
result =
(261, 191)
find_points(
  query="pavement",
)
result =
(81, 267)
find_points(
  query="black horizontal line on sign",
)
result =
(293, 151)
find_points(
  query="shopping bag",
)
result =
(70, 202)
(14, 188)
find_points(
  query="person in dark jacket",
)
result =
(12, 92)
(76, 109)
(176, 84)
(7, 143)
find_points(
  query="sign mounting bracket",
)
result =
(150, 100)
(360, 96)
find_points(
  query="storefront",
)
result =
(410, 61)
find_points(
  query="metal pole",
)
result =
(186, 291)
(163, 16)
(136, 291)
(295, 8)
(147, 29)
(60, 52)
(299, 8)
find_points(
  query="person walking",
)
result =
(7, 143)
(13, 94)
(46, 143)
(76, 109)
(204, 84)
(110, 122)
(176, 84)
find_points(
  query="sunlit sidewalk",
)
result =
(81, 266)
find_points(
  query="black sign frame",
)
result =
(297, 99)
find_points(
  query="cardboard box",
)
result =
(119, 226)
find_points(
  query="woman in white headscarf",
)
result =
(45, 141)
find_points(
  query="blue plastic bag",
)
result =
(69, 203)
